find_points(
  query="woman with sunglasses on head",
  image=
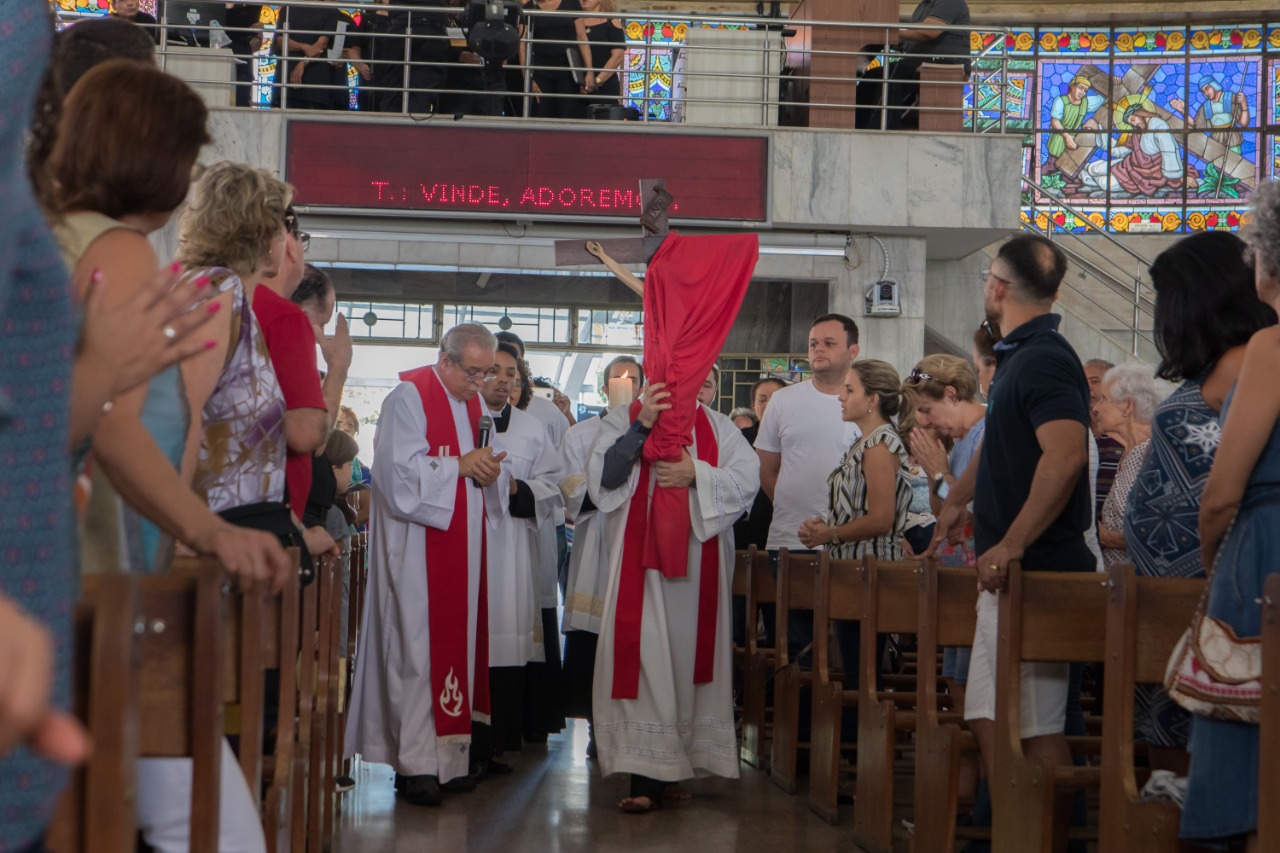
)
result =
(946, 390)
(236, 232)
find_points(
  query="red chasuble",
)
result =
(447, 578)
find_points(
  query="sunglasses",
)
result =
(291, 224)
(993, 335)
(917, 376)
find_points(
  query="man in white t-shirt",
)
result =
(802, 438)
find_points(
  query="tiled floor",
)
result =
(556, 802)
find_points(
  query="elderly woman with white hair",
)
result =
(1127, 399)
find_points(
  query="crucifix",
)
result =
(655, 212)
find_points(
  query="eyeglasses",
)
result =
(987, 273)
(475, 375)
(917, 376)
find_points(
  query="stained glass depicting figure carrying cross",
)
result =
(1139, 128)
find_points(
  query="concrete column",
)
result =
(845, 40)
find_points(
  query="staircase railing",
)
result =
(1133, 284)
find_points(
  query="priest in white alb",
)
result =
(663, 693)
(588, 576)
(670, 477)
(423, 673)
(523, 500)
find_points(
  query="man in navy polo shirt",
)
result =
(1029, 482)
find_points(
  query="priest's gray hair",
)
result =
(1263, 234)
(457, 339)
(1136, 382)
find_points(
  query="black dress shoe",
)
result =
(493, 767)
(399, 783)
(422, 790)
(460, 785)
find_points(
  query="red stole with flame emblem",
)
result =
(448, 578)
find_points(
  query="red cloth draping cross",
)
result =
(447, 578)
(693, 290)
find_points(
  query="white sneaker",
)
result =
(1164, 785)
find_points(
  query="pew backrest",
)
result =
(797, 590)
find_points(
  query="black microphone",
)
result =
(486, 432)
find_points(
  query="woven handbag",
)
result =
(1214, 673)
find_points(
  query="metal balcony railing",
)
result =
(718, 69)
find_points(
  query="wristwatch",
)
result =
(938, 479)
(835, 537)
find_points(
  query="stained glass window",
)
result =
(1140, 129)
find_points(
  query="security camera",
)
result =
(882, 299)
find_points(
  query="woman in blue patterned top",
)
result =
(1206, 310)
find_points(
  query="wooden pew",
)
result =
(355, 610)
(180, 694)
(758, 666)
(243, 663)
(281, 646)
(841, 586)
(1044, 616)
(320, 811)
(890, 605)
(96, 813)
(796, 584)
(306, 676)
(1269, 734)
(1145, 619)
(742, 560)
(947, 600)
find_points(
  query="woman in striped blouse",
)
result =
(870, 491)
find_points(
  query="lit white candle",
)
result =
(620, 392)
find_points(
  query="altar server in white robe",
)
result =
(423, 671)
(588, 577)
(520, 502)
(663, 693)
(544, 682)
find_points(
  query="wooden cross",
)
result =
(654, 222)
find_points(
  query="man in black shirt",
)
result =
(924, 45)
(244, 28)
(1029, 482)
(427, 56)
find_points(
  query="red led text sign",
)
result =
(517, 172)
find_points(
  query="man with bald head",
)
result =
(424, 663)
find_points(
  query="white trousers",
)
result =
(164, 806)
